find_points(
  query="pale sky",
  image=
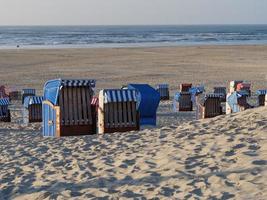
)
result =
(132, 12)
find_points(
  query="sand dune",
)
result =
(224, 157)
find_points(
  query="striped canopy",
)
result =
(28, 91)
(77, 83)
(33, 100)
(4, 102)
(162, 86)
(261, 92)
(197, 90)
(214, 95)
(52, 87)
(120, 95)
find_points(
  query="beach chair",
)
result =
(94, 110)
(195, 91)
(3, 92)
(185, 87)
(244, 87)
(4, 111)
(147, 103)
(15, 95)
(163, 90)
(27, 92)
(117, 111)
(208, 106)
(67, 108)
(32, 111)
(233, 85)
(221, 91)
(182, 102)
(261, 97)
(237, 102)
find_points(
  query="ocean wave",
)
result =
(90, 35)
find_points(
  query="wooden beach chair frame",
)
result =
(4, 111)
(185, 103)
(117, 115)
(72, 114)
(209, 107)
(164, 92)
(15, 95)
(240, 104)
(32, 109)
(222, 92)
(185, 87)
(262, 94)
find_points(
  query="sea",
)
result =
(12, 37)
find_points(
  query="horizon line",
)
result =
(226, 24)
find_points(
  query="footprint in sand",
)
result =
(131, 194)
(166, 191)
(227, 195)
(251, 153)
(239, 146)
(230, 153)
(254, 147)
(259, 162)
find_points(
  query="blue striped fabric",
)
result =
(119, 95)
(242, 93)
(261, 92)
(214, 95)
(162, 86)
(28, 91)
(4, 102)
(79, 83)
(197, 90)
(33, 100)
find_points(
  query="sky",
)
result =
(132, 12)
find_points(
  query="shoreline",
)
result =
(127, 46)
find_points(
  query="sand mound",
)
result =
(224, 157)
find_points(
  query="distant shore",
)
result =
(130, 45)
(36, 37)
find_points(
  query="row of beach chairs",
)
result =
(210, 104)
(69, 107)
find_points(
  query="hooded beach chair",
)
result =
(3, 92)
(27, 92)
(32, 111)
(185, 87)
(15, 95)
(182, 102)
(117, 111)
(195, 91)
(233, 85)
(163, 90)
(236, 102)
(4, 111)
(67, 108)
(208, 106)
(244, 87)
(222, 92)
(262, 97)
(148, 101)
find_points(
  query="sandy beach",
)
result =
(220, 158)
